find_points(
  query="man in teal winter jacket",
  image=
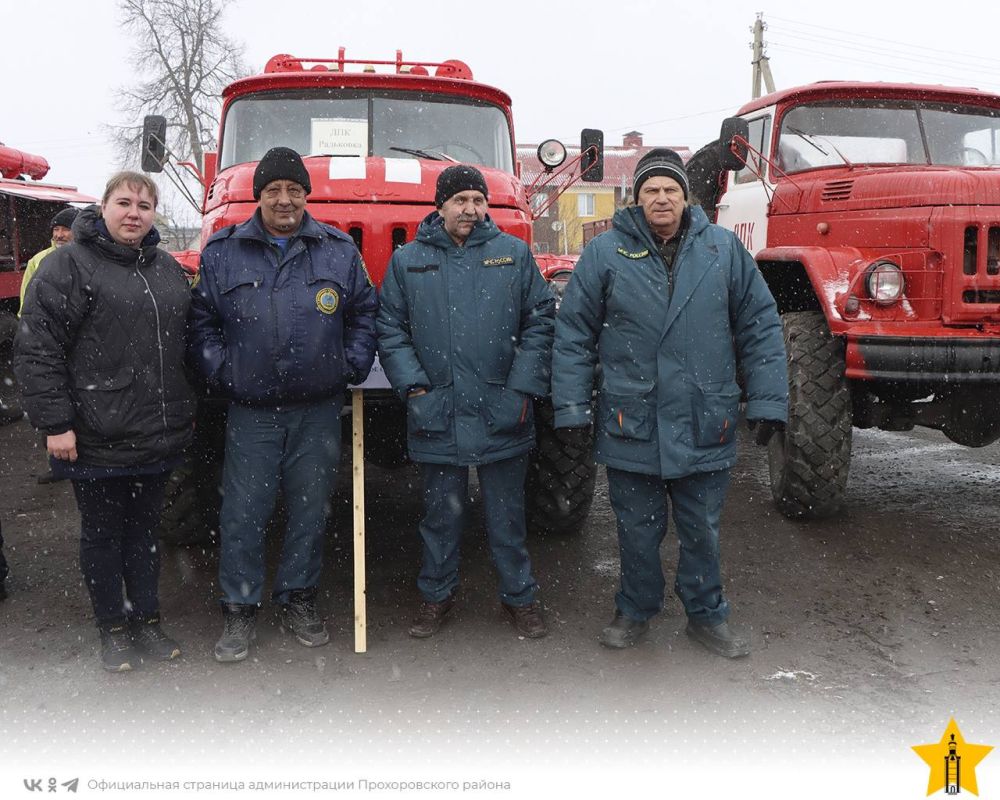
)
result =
(465, 338)
(668, 305)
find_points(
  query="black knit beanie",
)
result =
(64, 218)
(457, 179)
(280, 164)
(659, 161)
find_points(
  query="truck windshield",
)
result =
(341, 123)
(888, 132)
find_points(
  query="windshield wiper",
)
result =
(808, 139)
(429, 154)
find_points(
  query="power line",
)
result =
(862, 47)
(893, 68)
(896, 42)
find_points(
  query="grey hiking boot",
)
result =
(237, 632)
(148, 636)
(299, 616)
(724, 638)
(117, 652)
(622, 631)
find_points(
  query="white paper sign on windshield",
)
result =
(339, 136)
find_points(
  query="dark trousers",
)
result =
(640, 506)
(446, 489)
(298, 449)
(3, 561)
(118, 519)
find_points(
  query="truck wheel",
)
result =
(810, 461)
(560, 484)
(190, 513)
(10, 405)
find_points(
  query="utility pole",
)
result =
(761, 65)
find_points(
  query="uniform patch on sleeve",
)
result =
(364, 269)
(501, 261)
(632, 254)
(327, 300)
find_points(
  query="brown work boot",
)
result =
(430, 616)
(527, 619)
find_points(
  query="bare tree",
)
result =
(182, 60)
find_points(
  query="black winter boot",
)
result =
(239, 629)
(117, 652)
(148, 636)
(299, 616)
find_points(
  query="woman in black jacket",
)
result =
(99, 356)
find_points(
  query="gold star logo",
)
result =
(952, 761)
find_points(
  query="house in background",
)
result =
(560, 228)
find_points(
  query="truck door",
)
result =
(743, 206)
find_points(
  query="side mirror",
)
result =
(732, 127)
(592, 148)
(154, 143)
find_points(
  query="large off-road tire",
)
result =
(10, 402)
(809, 462)
(560, 484)
(190, 512)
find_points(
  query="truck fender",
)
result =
(809, 278)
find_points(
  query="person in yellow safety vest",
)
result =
(62, 233)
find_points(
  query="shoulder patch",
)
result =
(633, 253)
(501, 261)
(364, 269)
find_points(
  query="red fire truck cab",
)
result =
(873, 211)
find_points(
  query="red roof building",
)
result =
(560, 230)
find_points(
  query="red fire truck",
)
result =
(873, 211)
(26, 209)
(375, 135)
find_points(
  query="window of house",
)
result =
(585, 205)
(537, 202)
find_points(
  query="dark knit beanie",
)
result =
(459, 178)
(659, 161)
(64, 218)
(280, 164)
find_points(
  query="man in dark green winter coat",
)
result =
(668, 305)
(465, 338)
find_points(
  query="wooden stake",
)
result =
(358, 462)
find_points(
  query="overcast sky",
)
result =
(671, 70)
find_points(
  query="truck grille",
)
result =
(977, 287)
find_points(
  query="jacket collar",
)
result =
(432, 232)
(253, 228)
(632, 222)
(89, 230)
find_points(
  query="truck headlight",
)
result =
(551, 153)
(885, 283)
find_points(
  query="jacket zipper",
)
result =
(159, 339)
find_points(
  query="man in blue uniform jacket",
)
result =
(465, 338)
(668, 305)
(282, 320)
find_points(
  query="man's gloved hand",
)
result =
(765, 428)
